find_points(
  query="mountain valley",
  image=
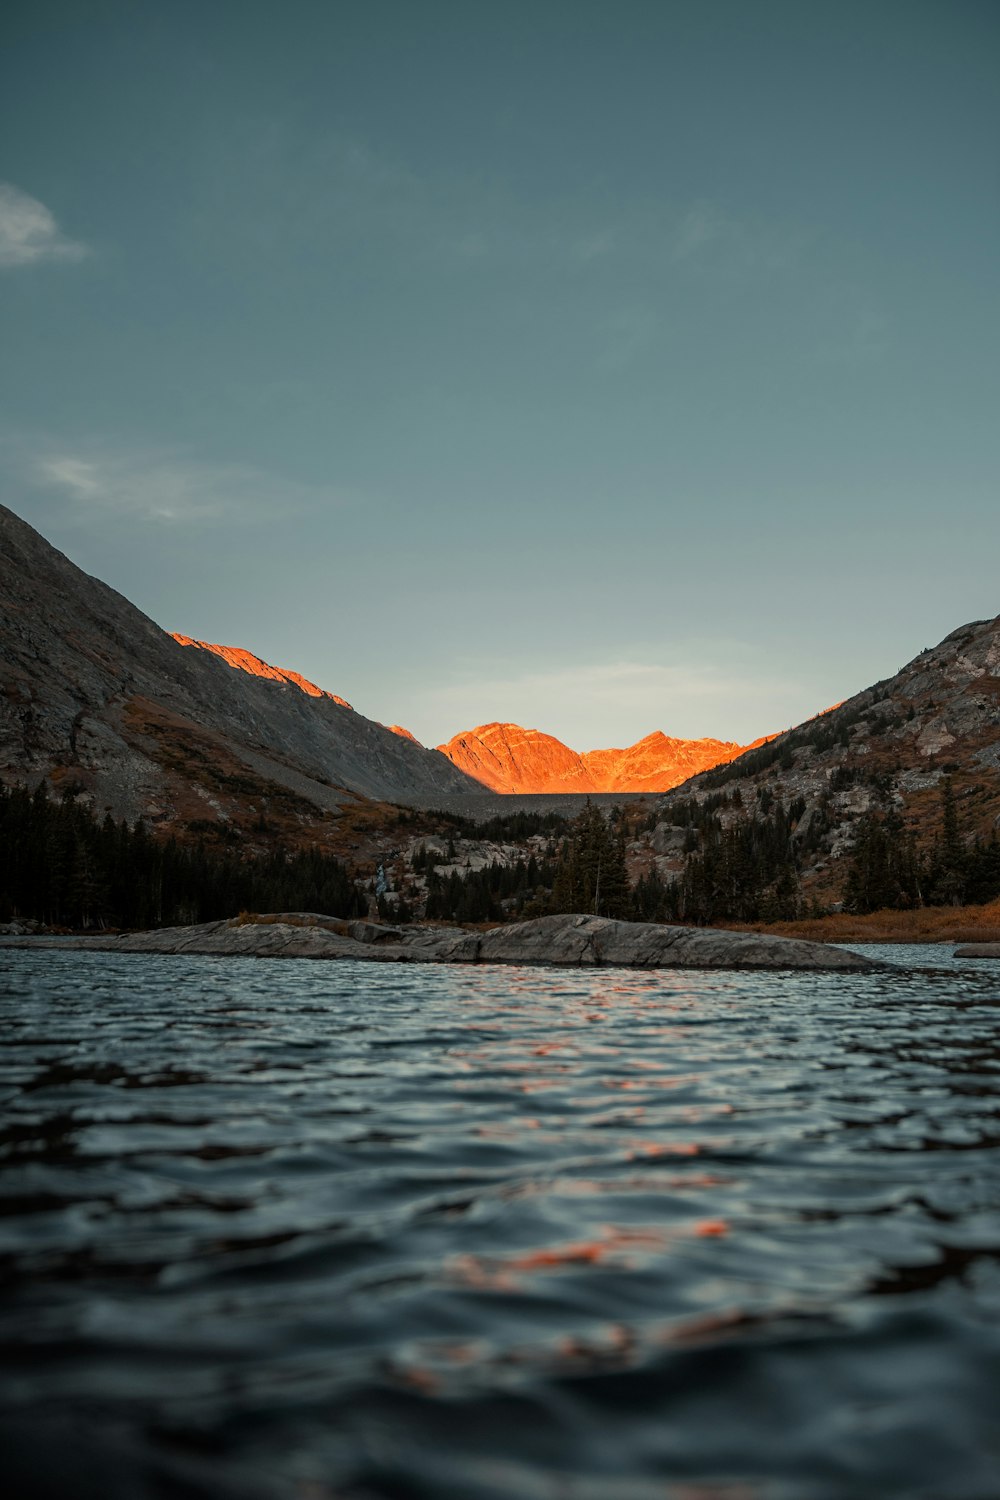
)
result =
(891, 798)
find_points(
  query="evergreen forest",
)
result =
(740, 865)
(63, 867)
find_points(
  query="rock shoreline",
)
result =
(570, 941)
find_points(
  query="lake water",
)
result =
(296, 1231)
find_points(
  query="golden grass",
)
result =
(928, 924)
(287, 919)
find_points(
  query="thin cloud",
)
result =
(169, 488)
(700, 226)
(693, 698)
(337, 188)
(706, 232)
(29, 232)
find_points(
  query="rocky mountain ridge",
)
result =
(245, 661)
(94, 696)
(890, 799)
(512, 760)
(886, 751)
(97, 700)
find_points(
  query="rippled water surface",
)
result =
(311, 1230)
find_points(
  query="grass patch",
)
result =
(927, 924)
(289, 919)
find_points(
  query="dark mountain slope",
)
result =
(92, 691)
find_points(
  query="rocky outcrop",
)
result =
(978, 950)
(96, 697)
(560, 941)
(513, 760)
(586, 940)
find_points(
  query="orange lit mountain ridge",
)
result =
(510, 759)
(245, 661)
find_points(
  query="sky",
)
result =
(599, 367)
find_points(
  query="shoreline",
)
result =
(570, 941)
(925, 926)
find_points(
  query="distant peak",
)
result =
(509, 758)
(245, 661)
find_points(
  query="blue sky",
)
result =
(601, 367)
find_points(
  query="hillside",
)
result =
(881, 759)
(890, 799)
(245, 661)
(96, 696)
(512, 760)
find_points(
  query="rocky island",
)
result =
(569, 941)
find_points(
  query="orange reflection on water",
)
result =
(663, 1148)
(662, 1082)
(613, 1245)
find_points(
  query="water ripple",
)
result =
(300, 1231)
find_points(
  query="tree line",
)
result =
(740, 865)
(888, 870)
(488, 895)
(62, 866)
(584, 871)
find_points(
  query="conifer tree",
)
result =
(949, 864)
(884, 869)
(591, 875)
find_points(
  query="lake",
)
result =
(292, 1230)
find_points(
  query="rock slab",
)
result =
(572, 941)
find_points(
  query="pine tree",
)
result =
(884, 869)
(591, 874)
(949, 864)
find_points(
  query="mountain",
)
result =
(96, 696)
(888, 751)
(508, 758)
(658, 762)
(245, 661)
